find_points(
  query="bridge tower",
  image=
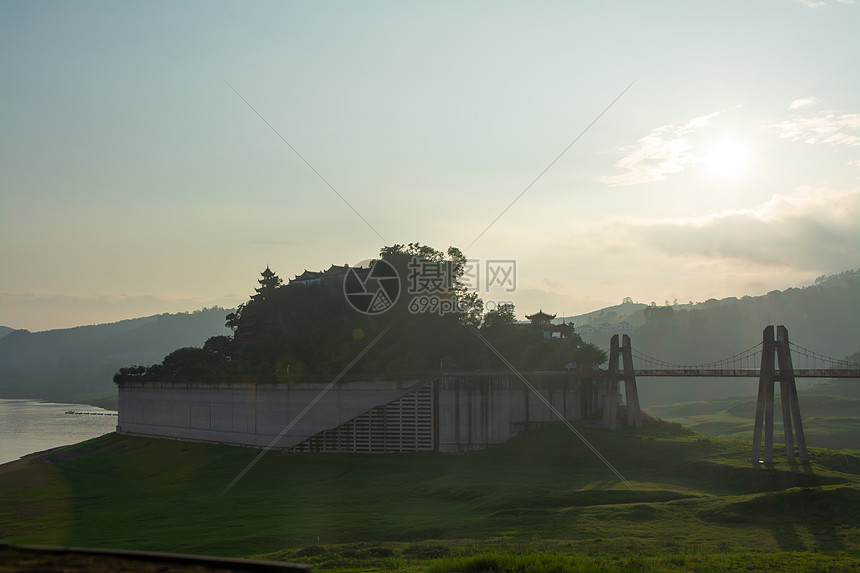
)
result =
(610, 396)
(788, 396)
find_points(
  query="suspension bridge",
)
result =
(774, 359)
(746, 364)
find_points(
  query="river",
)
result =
(28, 426)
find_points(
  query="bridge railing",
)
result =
(699, 372)
(826, 372)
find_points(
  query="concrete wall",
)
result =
(469, 411)
(242, 414)
(476, 411)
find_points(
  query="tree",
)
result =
(468, 306)
(500, 317)
(129, 373)
(588, 355)
(219, 345)
(234, 318)
(659, 314)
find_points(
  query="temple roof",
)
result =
(308, 275)
(540, 315)
(333, 272)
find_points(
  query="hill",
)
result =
(627, 311)
(4, 330)
(824, 317)
(77, 364)
(544, 489)
(309, 328)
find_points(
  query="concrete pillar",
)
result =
(768, 419)
(634, 413)
(788, 394)
(762, 412)
(786, 416)
(610, 388)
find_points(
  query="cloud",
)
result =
(829, 126)
(811, 229)
(663, 151)
(811, 3)
(818, 4)
(803, 102)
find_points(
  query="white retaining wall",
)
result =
(245, 414)
(469, 411)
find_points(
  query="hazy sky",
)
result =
(135, 181)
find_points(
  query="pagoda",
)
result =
(540, 318)
(543, 322)
(268, 284)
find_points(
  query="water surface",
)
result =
(28, 426)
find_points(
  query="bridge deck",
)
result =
(683, 373)
(746, 373)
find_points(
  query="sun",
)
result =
(728, 158)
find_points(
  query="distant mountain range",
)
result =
(78, 364)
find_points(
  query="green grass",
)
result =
(541, 562)
(556, 557)
(541, 491)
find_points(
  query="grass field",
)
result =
(542, 497)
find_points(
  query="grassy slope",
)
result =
(830, 411)
(139, 493)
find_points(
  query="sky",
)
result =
(156, 156)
